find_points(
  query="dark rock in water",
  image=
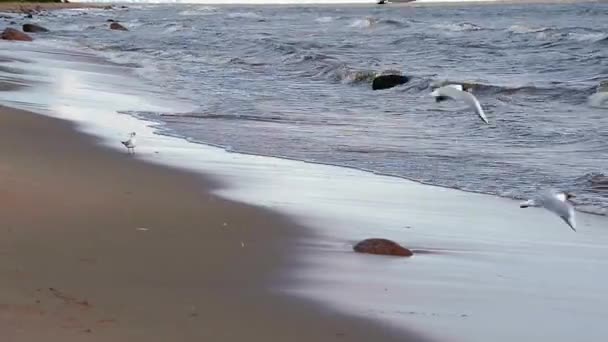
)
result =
(124, 6)
(382, 247)
(13, 23)
(599, 182)
(111, 20)
(29, 16)
(603, 86)
(117, 26)
(34, 28)
(12, 34)
(388, 81)
(109, 7)
(441, 98)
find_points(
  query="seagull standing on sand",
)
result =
(556, 202)
(456, 92)
(130, 143)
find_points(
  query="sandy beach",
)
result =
(97, 246)
(43, 6)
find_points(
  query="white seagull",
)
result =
(557, 203)
(130, 143)
(598, 100)
(456, 92)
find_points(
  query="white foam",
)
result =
(199, 10)
(248, 15)
(324, 19)
(500, 273)
(525, 29)
(456, 27)
(364, 23)
(588, 37)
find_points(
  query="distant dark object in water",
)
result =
(599, 182)
(117, 26)
(382, 247)
(388, 81)
(34, 28)
(29, 16)
(12, 34)
(111, 20)
(381, 2)
(603, 86)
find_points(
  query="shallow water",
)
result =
(295, 81)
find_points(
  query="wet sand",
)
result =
(97, 246)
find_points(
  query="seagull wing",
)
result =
(466, 97)
(129, 143)
(552, 201)
(455, 86)
(471, 100)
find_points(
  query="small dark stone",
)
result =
(388, 81)
(383, 247)
(12, 34)
(117, 26)
(34, 28)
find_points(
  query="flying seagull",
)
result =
(130, 143)
(557, 203)
(456, 92)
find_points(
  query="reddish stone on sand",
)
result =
(383, 247)
(12, 34)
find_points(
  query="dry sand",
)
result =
(43, 6)
(97, 246)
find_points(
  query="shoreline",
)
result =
(174, 256)
(26, 7)
(467, 236)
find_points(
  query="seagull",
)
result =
(556, 202)
(456, 92)
(130, 143)
(598, 100)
